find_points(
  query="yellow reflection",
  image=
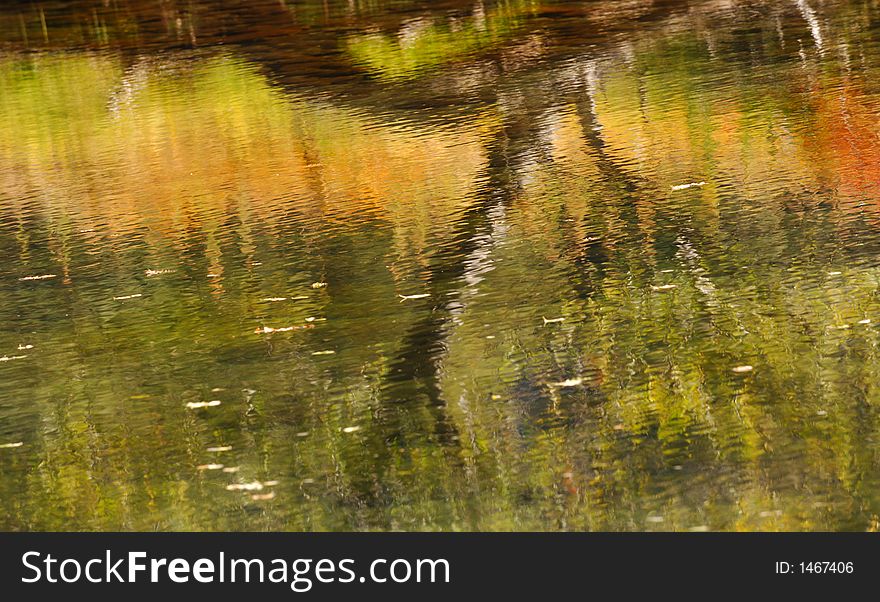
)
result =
(177, 145)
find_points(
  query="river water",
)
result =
(460, 265)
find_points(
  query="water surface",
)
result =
(466, 265)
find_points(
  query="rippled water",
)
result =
(371, 265)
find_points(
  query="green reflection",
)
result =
(427, 43)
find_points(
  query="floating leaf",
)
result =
(270, 330)
(254, 486)
(413, 297)
(688, 185)
(194, 405)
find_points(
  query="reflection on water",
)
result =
(489, 265)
